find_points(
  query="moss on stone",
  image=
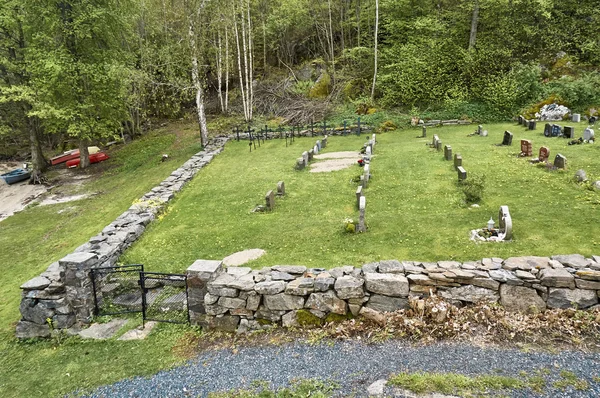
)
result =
(307, 319)
(338, 318)
(264, 322)
(321, 87)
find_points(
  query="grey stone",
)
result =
(524, 275)
(502, 275)
(79, 260)
(290, 320)
(420, 279)
(521, 299)
(387, 284)
(301, 287)
(37, 283)
(349, 287)
(269, 287)
(238, 271)
(290, 269)
(470, 294)
(586, 284)
(282, 276)
(462, 173)
(485, 283)
(270, 200)
(341, 271)
(572, 260)
(215, 309)
(526, 263)
(35, 312)
(387, 304)
(326, 302)
(391, 267)
(244, 283)
(242, 257)
(589, 275)
(323, 284)
(232, 303)
(556, 278)
(138, 333)
(376, 388)
(560, 161)
(63, 321)
(580, 176)
(410, 268)
(253, 301)
(569, 298)
(30, 330)
(280, 188)
(283, 302)
(265, 313)
(205, 270)
(102, 331)
(226, 323)
(210, 299)
(370, 267)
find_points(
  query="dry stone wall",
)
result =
(63, 293)
(241, 299)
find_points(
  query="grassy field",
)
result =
(415, 209)
(32, 239)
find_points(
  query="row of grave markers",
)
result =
(307, 156)
(437, 144)
(270, 198)
(369, 148)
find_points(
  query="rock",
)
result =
(300, 287)
(273, 316)
(240, 258)
(526, 263)
(225, 323)
(470, 294)
(448, 264)
(290, 269)
(556, 278)
(485, 283)
(370, 267)
(37, 283)
(580, 175)
(420, 279)
(376, 388)
(244, 283)
(555, 264)
(386, 284)
(232, 303)
(572, 260)
(524, 275)
(410, 268)
(102, 331)
(282, 276)
(35, 312)
(521, 299)
(589, 275)
(349, 287)
(502, 275)
(322, 284)
(391, 267)
(210, 299)
(138, 333)
(238, 271)
(64, 321)
(387, 304)
(488, 264)
(283, 302)
(253, 301)
(341, 271)
(326, 302)
(373, 315)
(585, 284)
(354, 309)
(30, 330)
(569, 298)
(269, 287)
(290, 320)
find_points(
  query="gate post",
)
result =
(198, 275)
(78, 283)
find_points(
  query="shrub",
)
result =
(473, 188)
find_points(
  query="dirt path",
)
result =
(15, 197)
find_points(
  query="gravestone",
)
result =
(457, 161)
(544, 154)
(576, 117)
(367, 171)
(505, 222)
(324, 142)
(569, 132)
(526, 148)
(364, 182)
(270, 200)
(316, 150)
(560, 162)
(479, 129)
(556, 131)
(368, 151)
(508, 137)
(547, 130)
(525, 122)
(300, 164)
(280, 188)
(435, 140)
(362, 204)
(532, 125)
(373, 140)
(462, 173)
(319, 145)
(447, 152)
(588, 134)
(305, 157)
(359, 193)
(424, 132)
(439, 145)
(311, 155)
(520, 120)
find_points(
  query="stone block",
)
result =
(205, 270)
(232, 303)
(526, 263)
(290, 269)
(226, 323)
(470, 294)
(462, 173)
(300, 287)
(271, 288)
(447, 152)
(349, 287)
(572, 260)
(326, 302)
(560, 162)
(391, 267)
(270, 315)
(387, 284)
(556, 278)
(37, 283)
(387, 304)
(30, 330)
(280, 188)
(270, 200)
(571, 298)
(521, 299)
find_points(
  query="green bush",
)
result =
(473, 188)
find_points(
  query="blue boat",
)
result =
(15, 176)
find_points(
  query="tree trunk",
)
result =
(38, 161)
(358, 23)
(474, 20)
(219, 56)
(226, 70)
(245, 46)
(251, 64)
(197, 84)
(239, 58)
(84, 155)
(375, 47)
(331, 43)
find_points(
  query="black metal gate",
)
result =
(164, 297)
(117, 290)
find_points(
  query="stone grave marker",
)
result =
(479, 129)
(424, 132)
(457, 161)
(526, 148)
(280, 188)
(324, 142)
(300, 163)
(544, 154)
(439, 145)
(560, 162)
(520, 120)
(588, 134)
(576, 117)
(319, 145)
(532, 124)
(447, 152)
(547, 130)
(367, 171)
(569, 132)
(508, 137)
(359, 193)
(368, 151)
(305, 157)
(311, 155)
(364, 182)
(435, 140)
(316, 150)
(556, 130)
(462, 173)
(270, 200)
(505, 222)
(362, 204)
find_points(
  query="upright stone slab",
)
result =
(532, 125)
(556, 130)
(439, 145)
(316, 150)
(280, 188)
(311, 155)
(362, 227)
(324, 142)
(508, 137)
(544, 154)
(560, 162)
(588, 134)
(368, 151)
(479, 129)
(367, 171)
(462, 173)
(300, 164)
(505, 222)
(526, 148)
(576, 117)
(547, 130)
(447, 152)
(435, 140)
(305, 157)
(270, 200)
(78, 284)
(359, 194)
(520, 120)
(457, 161)
(569, 132)
(424, 134)
(319, 145)
(199, 274)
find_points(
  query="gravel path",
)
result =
(354, 366)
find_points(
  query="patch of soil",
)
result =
(334, 161)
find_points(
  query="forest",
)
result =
(74, 72)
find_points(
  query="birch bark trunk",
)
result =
(375, 47)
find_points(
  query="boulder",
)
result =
(391, 267)
(470, 294)
(387, 284)
(349, 287)
(273, 287)
(556, 278)
(300, 287)
(526, 263)
(521, 299)
(290, 269)
(569, 298)
(572, 260)
(283, 302)
(387, 304)
(589, 275)
(326, 302)
(30, 330)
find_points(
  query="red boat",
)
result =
(94, 158)
(72, 154)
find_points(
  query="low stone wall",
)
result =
(336, 131)
(63, 293)
(241, 299)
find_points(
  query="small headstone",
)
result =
(526, 148)
(544, 154)
(525, 122)
(367, 171)
(560, 162)
(435, 140)
(547, 130)
(280, 188)
(508, 137)
(505, 222)
(359, 193)
(319, 145)
(424, 132)
(311, 155)
(324, 142)
(479, 129)
(576, 117)
(362, 204)
(368, 151)
(316, 150)
(462, 173)
(588, 134)
(305, 157)
(556, 131)
(532, 125)
(581, 176)
(447, 152)
(457, 161)
(484, 133)
(520, 120)
(439, 145)
(270, 200)
(569, 132)
(364, 181)
(300, 163)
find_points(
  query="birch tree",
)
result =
(375, 48)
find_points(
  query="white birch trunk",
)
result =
(251, 65)
(245, 47)
(331, 42)
(197, 84)
(375, 47)
(220, 71)
(226, 70)
(239, 59)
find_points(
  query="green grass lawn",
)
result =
(32, 239)
(415, 209)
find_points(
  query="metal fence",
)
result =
(117, 290)
(164, 297)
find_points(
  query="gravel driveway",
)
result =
(354, 366)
